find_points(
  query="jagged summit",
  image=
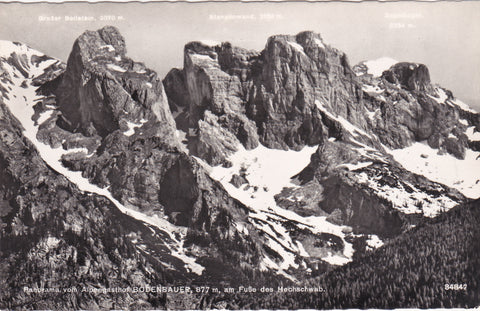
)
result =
(247, 97)
(104, 42)
(103, 90)
(409, 75)
(304, 39)
(412, 76)
(306, 42)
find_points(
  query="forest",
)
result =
(434, 265)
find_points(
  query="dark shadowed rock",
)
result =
(238, 180)
(414, 77)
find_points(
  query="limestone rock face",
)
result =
(123, 119)
(268, 97)
(102, 90)
(207, 96)
(406, 108)
(284, 97)
(353, 190)
(298, 72)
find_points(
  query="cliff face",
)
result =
(247, 97)
(296, 72)
(371, 193)
(103, 90)
(120, 109)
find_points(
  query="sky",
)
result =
(442, 35)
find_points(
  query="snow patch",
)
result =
(302, 250)
(267, 175)
(353, 167)
(457, 102)
(345, 123)
(371, 114)
(472, 134)
(441, 96)
(319, 43)
(210, 43)
(374, 241)
(44, 116)
(116, 68)
(201, 57)
(75, 150)
(378, 66)
(241, 228)
(336, 259)
(132, 126)
(109, 47)
(463, 121)
(266, 169)
(416, 202)
(372, 89)
(51, 242)
(296, 46)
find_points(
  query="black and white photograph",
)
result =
(199, 155)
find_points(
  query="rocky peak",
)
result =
(305, 37)
(412, 76)
(105, 42)
(111, 35)
(199, 47)
(103, 90)
(309, 46)
(267, 97)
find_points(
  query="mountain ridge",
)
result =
(204, 178)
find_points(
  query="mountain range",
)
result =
(286, 167)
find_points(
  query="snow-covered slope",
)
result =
(449, 155)
(462, 175)
(377, 66)
(267, 172)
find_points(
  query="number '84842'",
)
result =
(455, 286)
